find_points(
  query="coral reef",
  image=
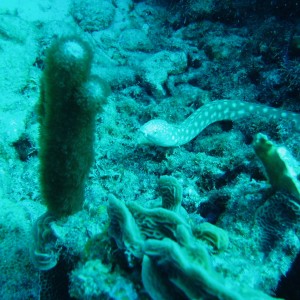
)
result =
(213, 206)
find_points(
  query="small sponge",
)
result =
(279, 165)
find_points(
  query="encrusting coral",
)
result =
(213, 235)
(174, 257)
(171, 192)
(170, 270)
(123, 227)
(43, 253)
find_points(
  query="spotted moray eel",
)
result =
(161, 133)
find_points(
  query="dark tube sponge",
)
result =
(70, 99)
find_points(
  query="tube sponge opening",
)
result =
(69, 58)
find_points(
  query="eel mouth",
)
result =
(143, 138)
